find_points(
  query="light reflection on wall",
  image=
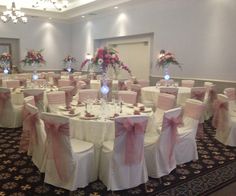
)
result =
(121, 23)
(89, 40)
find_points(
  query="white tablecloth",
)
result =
(150, 94)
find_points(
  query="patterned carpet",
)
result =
(215, 168)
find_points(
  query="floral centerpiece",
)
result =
(5, 60)
(164, 60)
(68, 61)
(33, 57)
(105, 58)
(167, 58)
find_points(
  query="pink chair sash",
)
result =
(54, 131)
(122, 85)
(219, 120)
(136, 88)
(81, 84)
(172, 123)
(133, 147)
(199, 95)
(212, 95)
(69, 95)
(4, 96)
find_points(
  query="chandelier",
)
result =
(14, 15)
(58, 4)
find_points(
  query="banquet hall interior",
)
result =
(117, 97)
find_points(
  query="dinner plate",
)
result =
(146, 110)
(63, 108)
(71, 115)
(88, 118)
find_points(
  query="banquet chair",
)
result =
(10, 114)
(38, 95)
(198, 93)
(13, 84)
(160, 155)
(25, 137)
(56, 99)
(164, 102)
(64, 82)
(231, 94)
(186, 147)
(164, 82)
(81, 84)
(41, 82)
(69, 161)
(221, 119)
(68, 93)
(210, 97)
(128, 84)
(170, 90)
(85, 94)
(56, 77)
(127, 96)
(137, 88)
(122, 163)
(143, 82)
(37, 136)
(187, 83)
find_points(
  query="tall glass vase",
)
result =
(35, 74)
(166, 73)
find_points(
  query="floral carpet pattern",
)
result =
(215, 168)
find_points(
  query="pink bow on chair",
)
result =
(199, 95)
(68, 98)
(172, 123)
(133, 146)
(55, 130)
(220, 120)
(4, 96)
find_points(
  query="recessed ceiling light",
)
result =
(116, 7)
(83, 16)
(50, 18)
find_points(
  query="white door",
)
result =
(136, 55)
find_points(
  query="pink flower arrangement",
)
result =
(166, 58)
(69, 59)
(106, 57)
(32, 57)
(5, 57)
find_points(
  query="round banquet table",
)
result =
(150, 94)
(99, 128)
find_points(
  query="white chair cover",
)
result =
(87, 94)
(25, 137)
(10, 115)
(13, 83)
(69, 162)
(187, 83)
(127, 96)
(64, 82)
(55, 99)
(38, 95)
(169, 90)
(186, 147)
(37, 136)
(123, 166)
(160, 155)
(68, 93)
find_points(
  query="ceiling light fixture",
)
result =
(58, 4)
(14, 15)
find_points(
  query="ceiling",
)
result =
(76, 8)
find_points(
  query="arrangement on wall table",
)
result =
(106, 58)
(69, 61)
(34, 58)
(164, 60)
(5, 61)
